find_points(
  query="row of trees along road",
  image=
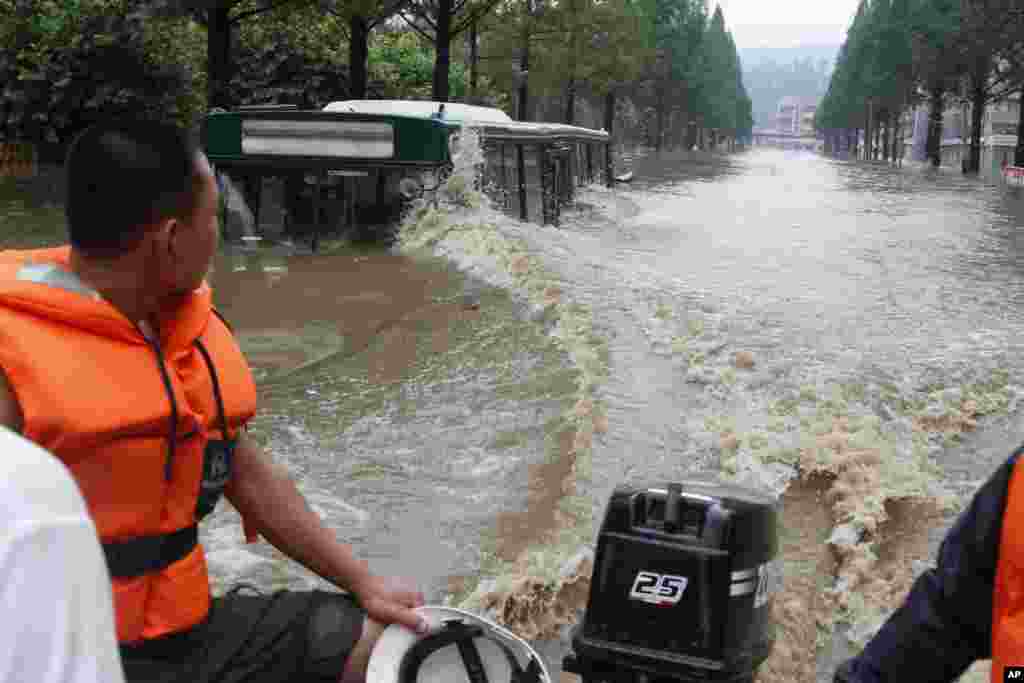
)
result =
(900, 53)
(67, 63)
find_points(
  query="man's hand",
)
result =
(391, 601)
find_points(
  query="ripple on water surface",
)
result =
(846, 334)
(411, 404)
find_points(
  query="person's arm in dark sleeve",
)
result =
(945, 622)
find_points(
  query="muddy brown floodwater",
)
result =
(846, 335)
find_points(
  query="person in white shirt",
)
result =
(56, 608)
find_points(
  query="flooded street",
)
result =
(408, 403)
(880, 309)
(847, 336)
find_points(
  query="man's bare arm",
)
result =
(271, 504)
(10, 411)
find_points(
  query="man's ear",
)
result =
(161, 250)
(166, 236)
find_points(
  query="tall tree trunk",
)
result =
(442, 48)
(659, 118)
(977, 114)
(358, 53)
(5, 130)
(218, 56)
(867, 133)
(570, 86)
(1018, 153)
(897, 143)
(474, 62)
(886, 133)
(570, 101)
(524, 68)
(877, 147)
(933, 147)
(609, 123)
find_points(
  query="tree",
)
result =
(66, 65)
(440, 22)
(744, 108)
(291, 55)
(894, 50)
(987, 35)
(404, 63)
(720, 65)
(835, 113)
(935, 24)
(673, 73)
(600, 44)
(361, 16)
(221, 18)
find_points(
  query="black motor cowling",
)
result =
(682, 585)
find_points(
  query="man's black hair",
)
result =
(124, 176)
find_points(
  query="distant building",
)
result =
(795, 115)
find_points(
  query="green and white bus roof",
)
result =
(371, 133)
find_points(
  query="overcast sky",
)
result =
(787, 23)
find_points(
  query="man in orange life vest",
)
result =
(112, 358)
(970, 606)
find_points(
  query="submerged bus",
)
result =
(352, 167)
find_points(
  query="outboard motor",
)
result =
(682, 586)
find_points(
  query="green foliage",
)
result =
(65, 65)
(649, 50)
(597, 43)
(440, 22)
(292, 55)
(404, 63)
(181, 43)
(897, 49)
(319, 37)
(725, 105)
(677, 73)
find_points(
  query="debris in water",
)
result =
(552, 295)
(964, 419)
(520, 265)
(729, 442)
(744, 360)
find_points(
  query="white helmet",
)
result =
(460, 647)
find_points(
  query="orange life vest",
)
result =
(99, 395)
(1008, 596)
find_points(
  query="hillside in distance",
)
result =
(770, 74)
(755, 55)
